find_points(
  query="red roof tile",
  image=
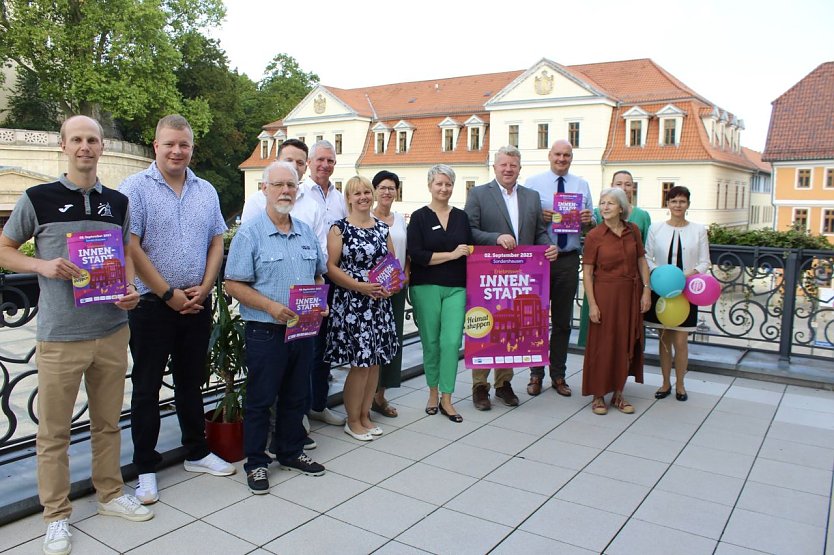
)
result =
(755, 157)
(802, 119)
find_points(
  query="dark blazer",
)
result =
(489, 218)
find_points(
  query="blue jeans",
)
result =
(275, 369)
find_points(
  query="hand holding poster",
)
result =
(308, 301)
(100, 255)
(566, 209)
(507, 305)
(387, 273)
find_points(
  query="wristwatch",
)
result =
(167, 295)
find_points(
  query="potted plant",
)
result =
(226, 370)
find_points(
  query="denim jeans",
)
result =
(275, 369)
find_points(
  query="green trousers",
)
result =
(439, 312)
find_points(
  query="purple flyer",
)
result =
(566, 209)
(308, 301)
(100, 255)
(387, 273)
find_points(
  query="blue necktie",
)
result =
(562, 238)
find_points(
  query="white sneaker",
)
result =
(210, 464)
(127, 507)
(146, 490)
(57, 539)
(306, 423)
(328, 417)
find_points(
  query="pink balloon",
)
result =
(702, 289)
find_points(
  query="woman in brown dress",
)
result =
(616, 278)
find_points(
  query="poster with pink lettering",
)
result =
(100, 255)
(308, 301)
(387, 273)
(566, 209)
(507, 307)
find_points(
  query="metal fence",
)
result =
(772, 300)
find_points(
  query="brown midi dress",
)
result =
(615, 346)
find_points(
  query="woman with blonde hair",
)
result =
(361, 330)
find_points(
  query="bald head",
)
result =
(560, 156)
(79, 119)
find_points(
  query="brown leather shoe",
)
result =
(480, 397)
(535, 385)
(561, 387)
(506, 394)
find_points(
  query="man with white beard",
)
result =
(268, 255)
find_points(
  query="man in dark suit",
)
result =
(506, 214)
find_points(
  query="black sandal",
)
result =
(660, 394)
(453, 417)
(431, 411)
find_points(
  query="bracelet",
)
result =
(167, 295)
(131, 284)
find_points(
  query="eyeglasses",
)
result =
(386, 189)
(287, 184)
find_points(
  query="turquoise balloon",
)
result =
(667, 281)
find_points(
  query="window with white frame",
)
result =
(827, 221)
(670, 120)
(475, 128)
(381, 134)
(337, 143)
(573, 134)
(449, 130)
(800, 218)
(512, 138)
(803, 178)
(828, 182)
(404, 132)
(543, 138)
(637, 125)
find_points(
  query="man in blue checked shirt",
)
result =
(269, 254)
(176, 241)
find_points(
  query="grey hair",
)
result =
(621, 198)
(280, 164)
(509, 150)
(441, 169)
(321, 144)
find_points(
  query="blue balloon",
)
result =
(667, 281)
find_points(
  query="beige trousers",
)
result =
(481, 377)
(61, 364)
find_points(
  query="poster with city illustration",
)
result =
(387, 273)
(308, 301)
(507, 307)
(100, 256)
(566, 209)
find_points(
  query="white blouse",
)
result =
(694, 246)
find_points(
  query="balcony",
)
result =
(745, 463)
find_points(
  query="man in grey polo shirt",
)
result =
(75, 342)
(269, 254)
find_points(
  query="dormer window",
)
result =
(381, 134)
(637, 125)
(264, 149)
(475, 127)
(670, 119)
(279, 137)
(404, 133)
(449, 130)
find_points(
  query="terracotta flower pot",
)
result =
(225, 439)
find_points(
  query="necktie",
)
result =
(562, 238)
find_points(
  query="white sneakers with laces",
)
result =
(57, 540)
(127, 507)
(210, 464)
(146, 490)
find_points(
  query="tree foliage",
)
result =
(795, 238)
(283, 86)
(28, 109)
(111, 57)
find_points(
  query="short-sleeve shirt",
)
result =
(174, 231)
(48, 212)
(271, 261)
(546, 184)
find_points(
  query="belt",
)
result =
(264, 325)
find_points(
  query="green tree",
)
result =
(28, 109)
(108, 57)
(283, 86)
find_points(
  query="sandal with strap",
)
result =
(385, 409)
(598, 406)
(622, 405)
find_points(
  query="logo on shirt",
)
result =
(104, 210)
(65, 208)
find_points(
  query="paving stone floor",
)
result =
(743, 467)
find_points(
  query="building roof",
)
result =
(755, 158)
(802, 119)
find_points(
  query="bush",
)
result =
(794, 238)
(27, 248)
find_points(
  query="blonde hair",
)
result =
(352, 185)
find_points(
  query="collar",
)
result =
(269, 228)
(504, 191)
(310, 184)
(556, 177)
(64, 180)
(156, 175)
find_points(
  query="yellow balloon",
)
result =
(672, 312)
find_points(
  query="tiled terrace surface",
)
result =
(743, 467)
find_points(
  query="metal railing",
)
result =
(772, 300)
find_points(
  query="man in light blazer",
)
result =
(506, 214)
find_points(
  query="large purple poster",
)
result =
(507, 307)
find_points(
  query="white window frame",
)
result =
(807, 215)
(810, 178)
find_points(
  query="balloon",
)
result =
(702, 289)
(672, 312)
(667, 281)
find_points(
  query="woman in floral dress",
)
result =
(361, 330)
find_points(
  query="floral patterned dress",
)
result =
(361, 330)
